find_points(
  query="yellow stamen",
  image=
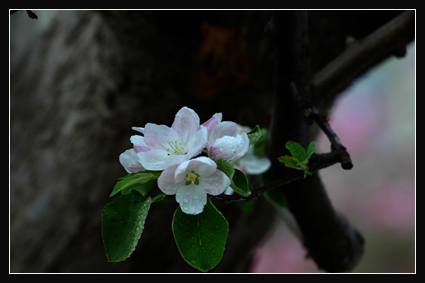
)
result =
(176, 148)
(192, 178)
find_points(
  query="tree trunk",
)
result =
(75, 94)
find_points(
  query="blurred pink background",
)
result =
(375, 120)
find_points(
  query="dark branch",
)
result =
(361, 56)
(311, 114)
(334, 245)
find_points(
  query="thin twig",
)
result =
(317, 162)
(310, 113)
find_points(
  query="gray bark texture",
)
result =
(76, 91)
(78, 87)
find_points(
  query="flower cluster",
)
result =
(175, 151)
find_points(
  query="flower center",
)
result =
(192, 178)
(176, 148)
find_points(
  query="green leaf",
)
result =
(240, 183)
(201, 238)
(299, 158)
(310, 149)
(297, 150)
(143, 189)
(254, 135)
(142, 181)
(260, 147)
(122, 224)
(158, 196)
(289, 161)
(225, 167)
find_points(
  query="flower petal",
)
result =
(138, 148)
(215, 183)
(186, 123)
(191, 198)
(139, 129)
(166, 182)
(229, 191)
(130, 161)
(204, 166)
(159, 159)
(255, 165)
(230, 148)
(197, 142)
(159, 136)
(181, 172)
(221, 130)
(138, 140)
(139, 143)
(212, 122)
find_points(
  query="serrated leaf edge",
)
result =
(179, 247)
(137, 229)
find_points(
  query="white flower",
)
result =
(162, 146)
(223, 143)
(250, 163)
(253, 165)
(130, 161)
(191, 181)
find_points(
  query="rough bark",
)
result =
(75, 94)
